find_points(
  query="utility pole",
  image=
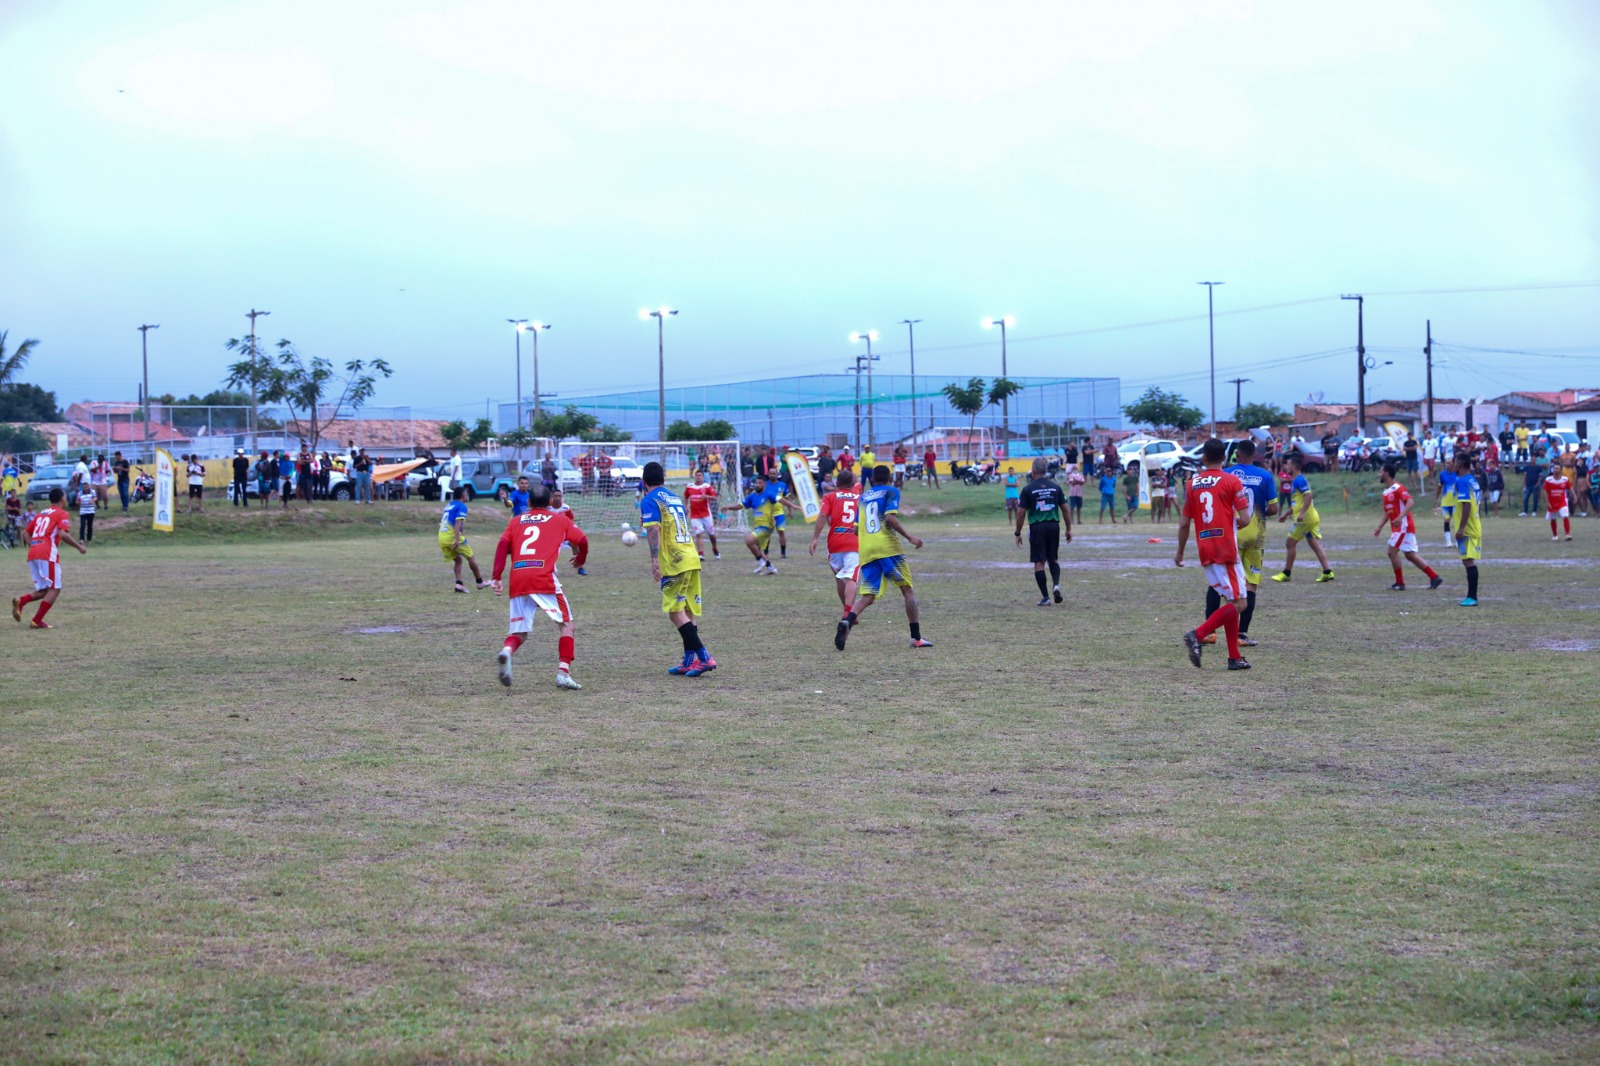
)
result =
(1238, 394)
(1427, 351)
(1361, 364)
(144, 349)
(255, 372)
(1211, 335)
(911, 333)
(517, 326)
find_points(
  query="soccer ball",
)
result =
(626, 527)
(629, 538)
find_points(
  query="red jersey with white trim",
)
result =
(1215, 496)
(840, 510)
(699, 498)
(44, 534)
(1556, 487)
(1394, 498)
(532, 541)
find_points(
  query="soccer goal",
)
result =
(602, 481)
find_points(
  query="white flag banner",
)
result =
(161, 518)
(1144, 485)
(805, 489)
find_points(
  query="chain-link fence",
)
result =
(602, 483)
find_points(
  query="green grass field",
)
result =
(265, 801)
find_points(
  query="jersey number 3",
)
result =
(1206, 511)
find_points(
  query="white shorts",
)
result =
(1227, 578)
(525, 608)
(1406, 542)
(702, 525)
(899, 468)
(46, 575)
(1563, 513)
(844, 564)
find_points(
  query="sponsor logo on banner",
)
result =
(161, 518)
(805, 489)
(1144, 484)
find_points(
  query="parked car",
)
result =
(1386, 450)
(1159, 453)
(1312, 459)
(49, 477)
(1563, 440)
(482, 477)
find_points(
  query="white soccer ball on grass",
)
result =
(629, 538)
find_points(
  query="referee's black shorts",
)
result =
(1044, 540)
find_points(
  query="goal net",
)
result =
(606, 477)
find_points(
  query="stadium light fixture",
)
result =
(911, 335)
(144, 350)
(1211, 337)
(518, 325)
(536, 327)
(869, 336)
(660, 315)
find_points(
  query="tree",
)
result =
(11, 365)
(605, 432)
(710, 429)
(1001, 391)
(230, 410)
(968, 400)
(571, 422)
(22, 439)
(1162, 410)
(22, 402)
(459, 436)
(518, 439)
(1260, 414)
(313, 390)
(1049, 436)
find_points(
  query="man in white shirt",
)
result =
(80, 478)
(197, 484)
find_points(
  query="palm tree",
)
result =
(11, 365)
(1001, 391)
(967, 399)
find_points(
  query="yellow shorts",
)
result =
(1251, 558)
(763, 535)
(681, 592)
(893, 570)
(1471, 548)
(1311, 527)
(451, 552)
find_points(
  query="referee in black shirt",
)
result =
(1044, 504)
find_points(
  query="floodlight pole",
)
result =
(1361, 363)
(536, 328)
(144, 352)
(660, 315)
(517, 326)
(911, 333)
(255, 371)
(1427, 352)
(1211, 334)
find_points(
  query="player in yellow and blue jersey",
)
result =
(1468, 530)
(759, 503)
(1307, 523)
(878, 533)
(676, 566)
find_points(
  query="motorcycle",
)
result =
(973, 474)
(144, 488)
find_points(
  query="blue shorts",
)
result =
(893, 570)
(1108, 500)
(779, 519)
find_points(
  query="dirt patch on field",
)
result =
(1566, 645)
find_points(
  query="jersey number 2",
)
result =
(528, 538)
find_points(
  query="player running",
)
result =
(532, 542)
(877, 523)
(700, 497)
(453, 539)
(1402, 528)
(1262, 487)
(757, 540)
(1044, 505)
(1218, 506)
(838, 517)
(1557, 500)
(1307, 524)
(1469, 531)
(44, 532)
(676, 565)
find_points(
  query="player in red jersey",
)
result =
(532, 541)
(1402, 523)
(699, 497)
(43, 533)
(1217, 505)
(838, 517)
(1557, 490)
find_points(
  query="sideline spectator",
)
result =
(548, 472)
(714, 468)
(586, 465)
(826, 465)
(325, 476)
(602, 473)
(285, 479)
(1075, 480)
(197, 484)
(100, 479)
(363, 471)
(930, 466)
(121, 469)
(80, 478)
(87, 498)
(304, 476)
(241, 480)
(266, 476)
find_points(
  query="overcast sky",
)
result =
(397, 178)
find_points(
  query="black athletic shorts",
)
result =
(197, 492)
(1044, 540)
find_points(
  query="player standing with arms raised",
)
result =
(700, 497)
(1307, 524)
(676, 566)
(838, 517)
(877, 523)
(1402, 528)
(1043, 505)
(1469, 531)
(1217, 505)
(532, 542)
(1557, 500)
(1262, 487)
(43, 533)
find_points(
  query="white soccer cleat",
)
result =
(564, 680)
(504, 659)
(771, 569)
(761, 567)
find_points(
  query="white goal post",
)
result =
(606, 476)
